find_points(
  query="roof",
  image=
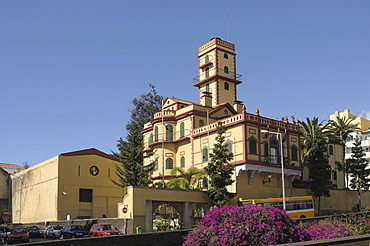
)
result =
(91, 151)
(13, 166)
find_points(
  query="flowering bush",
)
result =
(246, 225)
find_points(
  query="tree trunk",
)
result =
(319, 207)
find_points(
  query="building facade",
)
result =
(68, 186)
(182, 133)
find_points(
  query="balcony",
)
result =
(165, 113)
(217, 71)
(173, 138)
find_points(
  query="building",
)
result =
(70, 185)
(4, 192)
(182, 133)
(363, 134)
(11, 168)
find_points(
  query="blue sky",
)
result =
(69, 69)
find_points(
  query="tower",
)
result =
(217, 78)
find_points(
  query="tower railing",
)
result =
(217, 71)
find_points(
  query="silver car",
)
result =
(53, 231)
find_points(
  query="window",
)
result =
(155, 165)
(206, 58)
(169, 163)
(294, 153)
(86, 195)
(156, 134)
(226, 56)
(169, 132)
(225, 112)
(182, 129)
(205, 154)
(229, 146)
(266, 149)
(151, 138)
(252, 146)
(201, 123)
(226, 69)
(331, 150)
(226, 86)
(207, 72)
(274, 152)
(333, 175)
(182, 161)
(207, 87)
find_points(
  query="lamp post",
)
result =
(282, 162)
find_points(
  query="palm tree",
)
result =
(188, 178)
(341, 128)
(314, 155)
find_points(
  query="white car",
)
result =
(53, 231)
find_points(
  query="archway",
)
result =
(166, 217)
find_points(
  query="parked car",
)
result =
(4, 232)
(53, 231)
(103, 230)
(18, 235)
(73, 231)
(34, 231)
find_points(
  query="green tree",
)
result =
(131, 171)
(314, 155)
(188, 178)
(359, 171)
(220, 170)
(341, 128)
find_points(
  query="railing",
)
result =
(165, 113)
(212, 126)
(275, 160)
(219, 71)
(174, 137)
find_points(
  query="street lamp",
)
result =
(281, 160)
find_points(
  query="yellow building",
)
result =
(182, 133)
(362, 123)
(70, 185)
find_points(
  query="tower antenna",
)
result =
(227, 23)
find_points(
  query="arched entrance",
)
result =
(166, 217)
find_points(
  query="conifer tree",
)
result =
(359, 171)
(220, 170)
(131, 171)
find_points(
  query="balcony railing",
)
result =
(219, 71)
(166, 138)
(165, 113)
(275, 160)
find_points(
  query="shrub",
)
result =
(246, 225)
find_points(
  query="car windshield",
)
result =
(77, 228)
(18, 230)
(58, 228)
(107, 227)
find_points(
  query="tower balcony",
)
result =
(217, 71)
(166, 138)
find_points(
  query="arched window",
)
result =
(205, 154)
(294, 153)
(331, 150)
(226, 112)
(169, 163)
(252, 146)
(156, 134)
(151, 138)
(229, 146)
(207, 87)
(206, 58)
(182, 161)
(226, 69)
(226, 56)
(274, 152)
(182, 129)
(201, 122)
(207, 72)
(169, 132)
(226, 86)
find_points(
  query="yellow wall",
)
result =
(50, 190)
(34, 196)
(363, 124)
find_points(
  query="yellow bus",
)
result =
(296, 207)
